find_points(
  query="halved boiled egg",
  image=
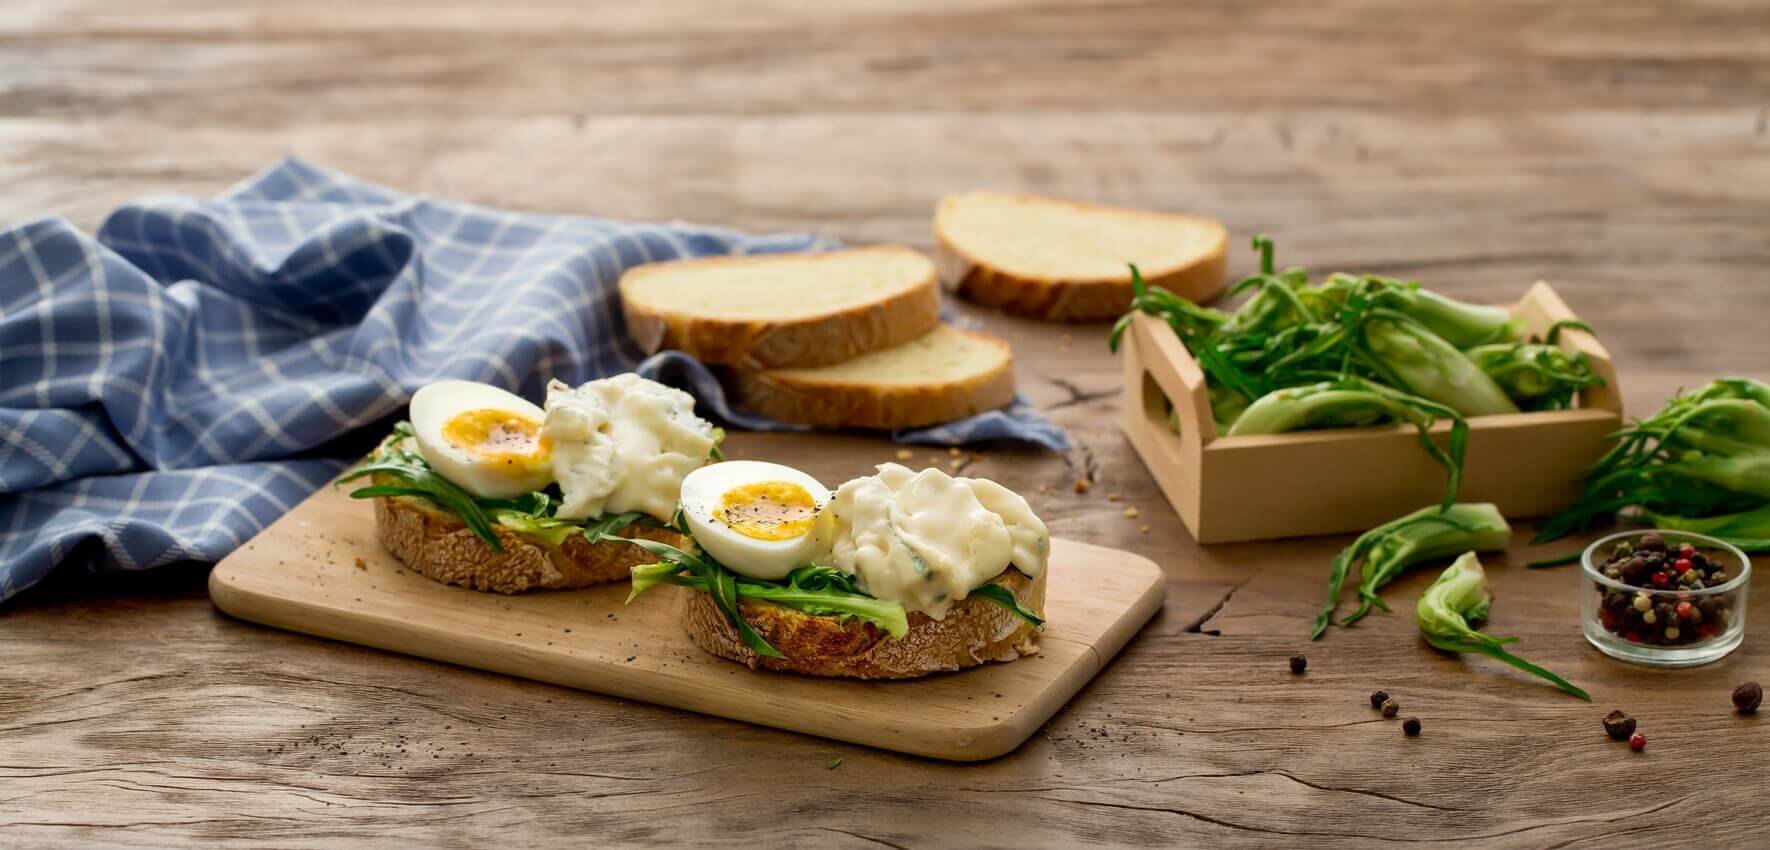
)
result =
(486, 440)
(759, 519)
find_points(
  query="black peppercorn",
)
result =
(1619, 725)
(1391, 707)
(1411, 726)
(1747, 696)
(1299, 664)
(1378, 698)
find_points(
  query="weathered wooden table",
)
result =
(1617, 149)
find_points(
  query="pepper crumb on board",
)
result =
(1411, 726)
(1082, 485)
(1299, 664)
(1619, 725)
(1378, 698)
(1747, 697)
(1391, 707)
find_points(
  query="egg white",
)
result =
(432, 408)
(702, 490)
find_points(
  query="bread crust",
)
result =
(807, 341)
(436, 544)
(1075, 299)
(807, 399)
(973, 632)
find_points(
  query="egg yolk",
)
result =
(767, 510)
(498, 436)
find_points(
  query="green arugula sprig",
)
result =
(416, 478)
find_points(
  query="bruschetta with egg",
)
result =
(483, 489)
(894, 575)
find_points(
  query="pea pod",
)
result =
(1350, 402)
(1389, 549)
(1458, 323)
(1536, 376)
(1425, 365)
(1451, 609)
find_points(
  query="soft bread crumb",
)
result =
(1082, 485)
(1130, 513)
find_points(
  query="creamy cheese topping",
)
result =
(623, 444)
(926, 539)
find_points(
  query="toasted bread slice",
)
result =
(974, 631)
(943, 375)
(1053, 259)
(435, 543)
(783, 310)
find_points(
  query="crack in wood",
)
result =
(867, 838)
(1197, 626)
(1077, 395)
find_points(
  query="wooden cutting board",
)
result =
(320, 570)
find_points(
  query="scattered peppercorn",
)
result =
(1747, 696)
(1637, 742)
(1378, 698)
(1411, 726)
(1299, 664)
(1619, 725)
(1391, 707)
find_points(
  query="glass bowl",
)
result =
(1663, 624)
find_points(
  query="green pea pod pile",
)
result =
(1449, 611)
(1360, 350)
(1702, 464)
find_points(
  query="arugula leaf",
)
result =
(717, 581)
(608, 525)
(416, 478)
(816, 590)
(1004, 597)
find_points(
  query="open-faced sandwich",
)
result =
(897, 574)
(485, 490)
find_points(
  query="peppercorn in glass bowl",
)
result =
(1664, 598)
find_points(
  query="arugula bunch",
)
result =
(1702, 464)
(817, 590)
(531, 514)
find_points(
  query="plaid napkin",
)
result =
(168, 389)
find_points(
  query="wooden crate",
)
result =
(1352, 479)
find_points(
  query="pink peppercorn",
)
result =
(1686, 611)
(1686, 550)
(1683, 564)
(1637, 742)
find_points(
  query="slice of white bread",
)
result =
(436, 544)
(1053, 259)
(973, 632)
(943, 375)
(777, 311)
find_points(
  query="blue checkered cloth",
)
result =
(169, 389)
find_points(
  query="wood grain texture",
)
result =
(319, 570)
(1619, 149)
